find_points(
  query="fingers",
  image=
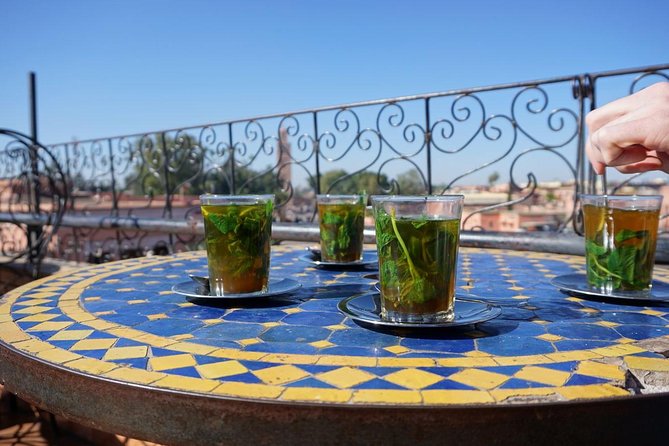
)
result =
(620, 107)
(650, 163)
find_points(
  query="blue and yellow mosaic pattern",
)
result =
(121, 321)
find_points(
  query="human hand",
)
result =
(631, 133)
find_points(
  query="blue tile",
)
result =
(159, 352)
(315, 318)
(256, 316)
(248, 378)
(295, 333)
(515, 383)
(315, 369)
(65, 345)
(257, 365)
(356, 337)
(229, 331)
(441, 371)
(581, 380)
(561, 366)
(310, 382)
(100, 335)
(298, 348)
(507, 370)
(377, 383)
(439, 345)
(169, 327)
(514, 346)
(447, 384)
(137, 363)
(568, 345)
(629, 318)
(357, 351)
(184, 371)
(583, 331)
(123, 342)
(640, 332)
(96, 354)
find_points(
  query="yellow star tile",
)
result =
(550, 337)
(292, 310)
(165, 292)
(653, 312)
(588, 310)
(185, 304)
(321, 344)
(607, 324)
(574, 299)
(600, 370)
(212, 321)
(270, 324)
(543, 375)
(250, 341)
(397, 349)
(172, 362)
(125, 290)
(345, 377)
(625, 341)
(521, 297)
(93, 344)
(71, 335)
(482, 379)
(280, 374)
(92, 299)
(155, 317)
(336, 327)
(137, 301)
(220, 369)
(413, 378)
(132, 352)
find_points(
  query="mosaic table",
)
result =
(112, 347)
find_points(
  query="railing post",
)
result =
(233, 186)
(317, 153)
(34, 231)
(428, 145)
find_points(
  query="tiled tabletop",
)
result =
(120, 321)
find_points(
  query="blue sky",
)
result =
(108, 68)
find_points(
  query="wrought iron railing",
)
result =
(503, 145)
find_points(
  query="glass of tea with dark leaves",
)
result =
(342, 222)
(417, 241)
(620, 241)
(238, 230)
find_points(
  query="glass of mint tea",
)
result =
(342, 223)
(238, 230)
(620, 241)
(417, 240)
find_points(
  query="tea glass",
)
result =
(620, 242)
(417, 241)
(342, 224)
(237, 230)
